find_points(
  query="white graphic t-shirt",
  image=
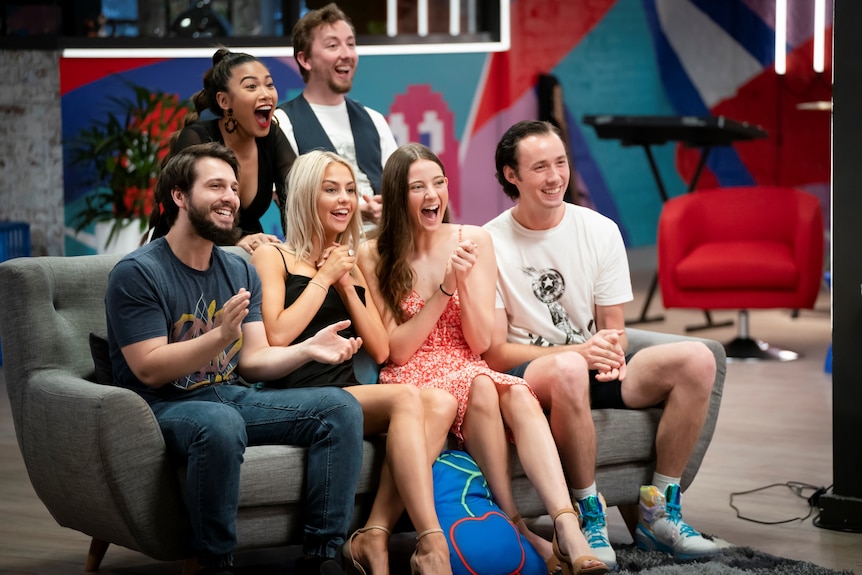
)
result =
(550, 281)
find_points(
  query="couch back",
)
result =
(50, 306)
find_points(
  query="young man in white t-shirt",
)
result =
(324, 45)
(563, 280)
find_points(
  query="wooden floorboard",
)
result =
(775, 426)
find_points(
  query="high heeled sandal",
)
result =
(414, 559)
(347, 548)
(551, 563)
(575, 567)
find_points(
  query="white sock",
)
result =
(662, 481)
(585, 492)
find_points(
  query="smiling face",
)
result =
(331, 59)
(336, 200)
(213, 201)
(252, 96)
(543, 172)
(428, 194)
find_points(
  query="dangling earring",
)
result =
(230, 122)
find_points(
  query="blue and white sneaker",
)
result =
(592, 511)
(661, 528)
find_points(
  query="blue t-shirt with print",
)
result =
(151, 293)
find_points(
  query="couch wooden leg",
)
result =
(98, 548)
(629, 511)
(191, 567)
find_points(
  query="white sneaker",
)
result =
(661, 528)
(592, 512)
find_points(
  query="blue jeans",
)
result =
(208, 430)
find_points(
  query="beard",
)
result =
(341, 87)
(209, 230)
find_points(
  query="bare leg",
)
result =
(485, 440)
(680, 375)
(562, 384)
(400, 409)
(541, 461)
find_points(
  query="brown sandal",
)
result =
(347, 548)
(575, 567)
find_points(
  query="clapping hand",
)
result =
(232, 313)
(326, 346)
(335, 264)
(371, 208)
(463, 259)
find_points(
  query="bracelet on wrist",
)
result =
(447, 294)
(320, 285)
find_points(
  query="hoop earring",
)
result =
(230, 122)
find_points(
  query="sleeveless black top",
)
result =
(333, 310)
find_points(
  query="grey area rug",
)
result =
(731, 561)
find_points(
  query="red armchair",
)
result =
(741, 248)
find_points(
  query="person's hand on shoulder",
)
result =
(253, 241)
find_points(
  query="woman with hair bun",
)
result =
(239, 93)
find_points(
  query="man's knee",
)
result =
(699, 367)
(341, 411)
(219, 430)
(564, 377)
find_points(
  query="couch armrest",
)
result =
(638, 339)
(96, 458)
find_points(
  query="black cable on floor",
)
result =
(797, 488)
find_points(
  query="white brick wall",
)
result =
(31, 166)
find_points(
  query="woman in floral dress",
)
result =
(434, 283)
(311, 281)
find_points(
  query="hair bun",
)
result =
(220, 55)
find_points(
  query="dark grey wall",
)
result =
(846, 242)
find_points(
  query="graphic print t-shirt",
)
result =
(550, 281)
(152, 294)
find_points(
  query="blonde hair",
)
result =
(302, 220)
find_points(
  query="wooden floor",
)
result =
(774, 427)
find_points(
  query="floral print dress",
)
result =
(444, 360)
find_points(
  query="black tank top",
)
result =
(333, 310)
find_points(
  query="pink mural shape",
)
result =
(422, 115)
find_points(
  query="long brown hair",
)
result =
(395, 235)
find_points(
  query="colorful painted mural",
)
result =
(644, 57)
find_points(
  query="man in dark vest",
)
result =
(323, 117)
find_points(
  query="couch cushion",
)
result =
(101, 359)
(275, 474)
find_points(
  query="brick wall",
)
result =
(31, 156)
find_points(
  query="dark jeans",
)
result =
(208, 430)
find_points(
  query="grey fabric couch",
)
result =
(96, 457)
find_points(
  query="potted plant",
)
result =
(124, 151)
